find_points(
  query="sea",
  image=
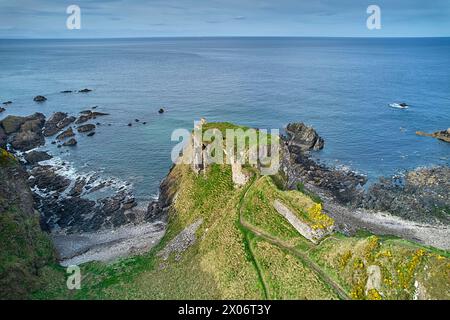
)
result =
(340, 86)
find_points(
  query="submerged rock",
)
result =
(7, 103)
(40, 99)
(2, 109)
(87, 115)
(85, 90)
(66, 91)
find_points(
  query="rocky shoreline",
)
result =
(420, 195)
(88, 216)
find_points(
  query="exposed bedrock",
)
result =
(419, 195)
(23, 133)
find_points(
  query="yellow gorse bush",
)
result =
(321, 220)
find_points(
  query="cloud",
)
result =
(128, 18)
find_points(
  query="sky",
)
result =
(167, 18)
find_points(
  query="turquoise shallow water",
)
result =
(340, 86)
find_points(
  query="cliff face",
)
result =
(24, 247)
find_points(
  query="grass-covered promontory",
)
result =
(228, 242)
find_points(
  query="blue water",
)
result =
(340, 86)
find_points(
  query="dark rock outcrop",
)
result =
(2, 109)
(84, 90)
(57, 122)
(161, 111)
(66, 91)
(24, 133)
(45, 177)
(443, 135)
(303, 138)
(65, 134)
(34, 157)
(3, 138)
(70, 143)
(7, 103)
(40, 99)
(86, 128)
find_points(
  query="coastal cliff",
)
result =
(24, 248)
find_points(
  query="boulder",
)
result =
(65, 134)
(90, 134)
(70, 143)
(86, 128)
(7, 102)
(2, 109)
(303, 138)
(11, 124)
(40, 99)
(161, 110)
(24, 133)
(34, 157)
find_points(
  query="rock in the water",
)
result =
(34, 157)
(85, 90)
(2, 109)
(86, 128)
(87, 115)
(7, 102)
(56, 122)
(443, 135)
(303, 138)
(161, 110)
(40, 99)
(66, 91)
(130, 124)
(65, 134)
(70, 143)
(90, 134)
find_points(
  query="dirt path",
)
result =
(275, 241)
